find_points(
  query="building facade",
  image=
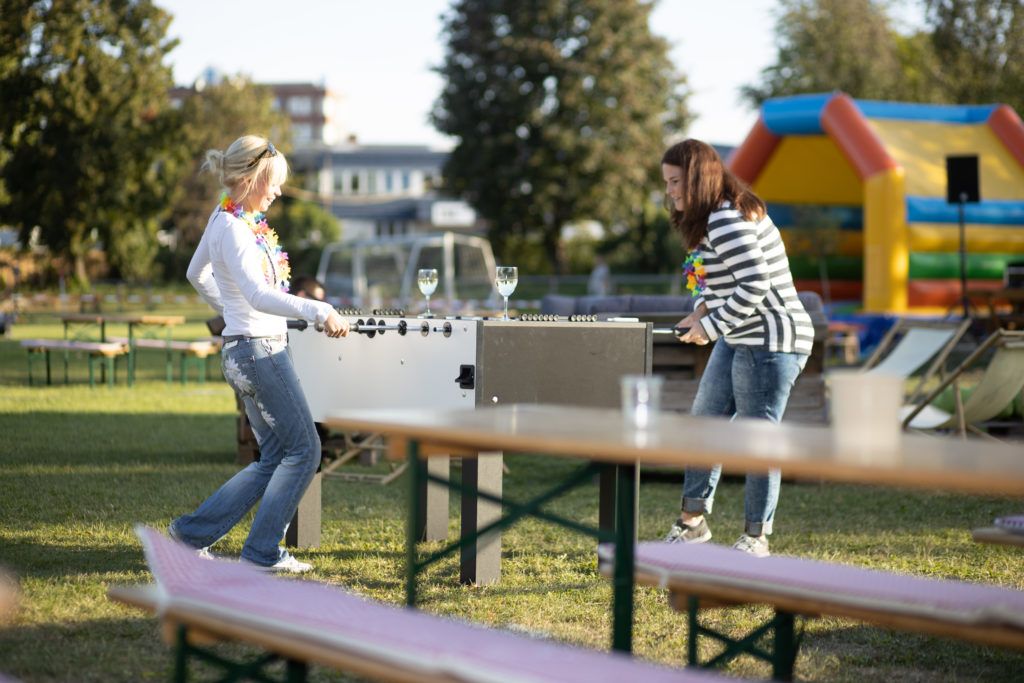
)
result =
(373, 190)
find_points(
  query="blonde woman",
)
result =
(241, 271)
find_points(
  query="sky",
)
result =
(378, 56)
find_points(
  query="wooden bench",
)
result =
(993, 534)
(106, 350)
(196, 350)
(707, 575)
(201, 601)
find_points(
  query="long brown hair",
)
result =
(706, 184)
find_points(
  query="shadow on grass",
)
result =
(66, 560)
(103, 439)
(128, 649)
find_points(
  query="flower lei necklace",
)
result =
(693, 269)
(275, 260)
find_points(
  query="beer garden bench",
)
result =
(201, 601)
(197, 350)
(107, 351)
(703, 575)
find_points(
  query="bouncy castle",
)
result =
(866, 183)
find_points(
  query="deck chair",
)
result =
(1001, 382)
(909, 344)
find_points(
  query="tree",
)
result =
(980, 47)
(561, 109)
(303, 228)
(826, 45)
(85, 133)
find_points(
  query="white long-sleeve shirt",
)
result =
(226, 270)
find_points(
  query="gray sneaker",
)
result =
(684, 533)
(755, 545)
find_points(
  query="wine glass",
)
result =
(427, 279)
(505, 279)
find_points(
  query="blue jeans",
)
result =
(742, 382)
(261, 372)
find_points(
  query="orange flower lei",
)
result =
(275, 260)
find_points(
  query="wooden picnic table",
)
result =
(133, 321)
(1004, 307)
(604, 439)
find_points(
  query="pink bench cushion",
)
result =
(832, 583)
(412, 639)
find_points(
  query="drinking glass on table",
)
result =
(427, 279)
(505, 280)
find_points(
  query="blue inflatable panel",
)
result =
(797, 115)
(938, 210)
(845, 217)
(909, 111)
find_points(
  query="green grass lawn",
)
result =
(79, 468)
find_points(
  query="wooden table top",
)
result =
(803, 451)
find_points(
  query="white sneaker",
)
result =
(201, 552)
(289, 564)
(755, 545)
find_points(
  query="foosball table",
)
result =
(390, 360)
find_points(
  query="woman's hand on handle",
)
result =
(335, 326)
(691, 331)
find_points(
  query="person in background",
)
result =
(745, 302)
(308, 287)
(599, 283)
(242, 272)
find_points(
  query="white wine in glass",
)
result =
(505, 280)
(427, 279)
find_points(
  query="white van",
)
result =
(371, 273)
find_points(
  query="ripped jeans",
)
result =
(260, 371)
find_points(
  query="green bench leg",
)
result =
(32, 353)
(296, 671)
(785, 643)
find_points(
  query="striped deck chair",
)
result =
(1001, 382)
(909, 344)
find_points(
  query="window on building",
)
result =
(300, 106)
(406, 180)
(302, 132)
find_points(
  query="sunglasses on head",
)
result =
(269, 151)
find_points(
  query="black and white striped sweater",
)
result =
(749, 289)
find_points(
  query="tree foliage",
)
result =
(560, 108)
(980, 46)
(826, 45)
(304, 228)
(961, 52)
(85, 133)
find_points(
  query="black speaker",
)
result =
(962, 179)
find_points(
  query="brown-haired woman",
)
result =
(737, 269)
